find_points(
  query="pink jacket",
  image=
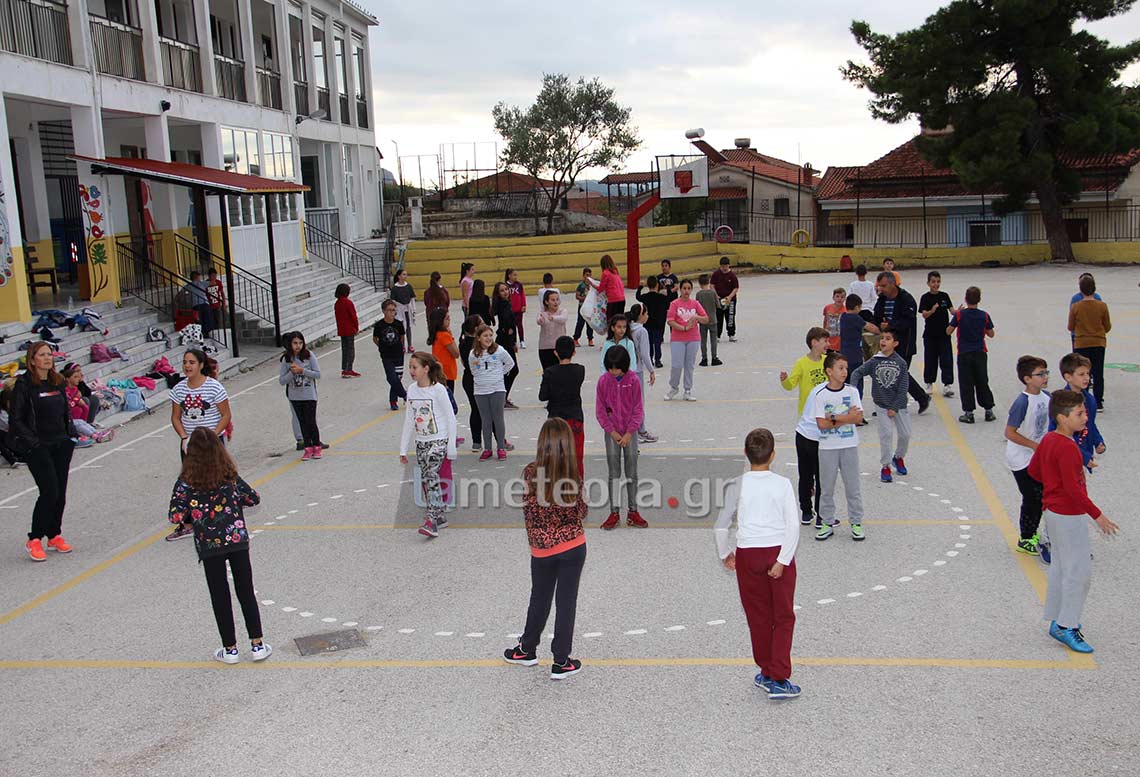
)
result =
(619, 408)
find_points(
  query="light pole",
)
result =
(399, 171)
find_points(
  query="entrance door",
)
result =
(311, 178)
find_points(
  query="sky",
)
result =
(768, 71)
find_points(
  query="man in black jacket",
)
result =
(896, 308)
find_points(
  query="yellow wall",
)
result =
(14, 302)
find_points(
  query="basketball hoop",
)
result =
(801, 238)
(723, 234)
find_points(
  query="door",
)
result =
(311, 178)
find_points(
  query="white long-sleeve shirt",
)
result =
(767, 515)
(428, 417)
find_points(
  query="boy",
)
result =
(863, 287)
(561, 390)
(889, 384)
(852, 324)
(889, 266)
(388, 335)
(217, 294)
(1027, 423)
(670, 284)
(974, 326)
(935, 306)
(837, 408)
(1090, 325)
(580, 295)
(831, 314)
(638, 316)
(657, 304)
(727, 287)
(807, 373)
(1075, 369)
(1056, 464)
(547, 285)
(708, 300)
(764, 560)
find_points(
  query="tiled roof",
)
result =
(757, 164)
(623, 178)
(504, 182)
(834, 181)
(728, 193)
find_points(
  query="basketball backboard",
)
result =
(683, 176)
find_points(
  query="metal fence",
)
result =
(117, 48)
(347, 258)
(36, 29)
(181, 65)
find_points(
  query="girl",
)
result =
(211, 496)
(466, 285)
(479, 304)
(612, 287)
(431, 420)
(489, 367)
(84, 390)
(466, 341)
(446, 352)
(347, 327)
(518, 301)
(73, 376)
(299, 374)
(617, 333)
(554, 510)
(40, 430)
(551, 326)
(639, 333)
(506, 335)
(619, 413)
(436, 296)
(685, 316)
(405, 297)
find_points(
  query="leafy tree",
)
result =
(1019, 89)
(572, 126)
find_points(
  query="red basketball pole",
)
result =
(632, 244)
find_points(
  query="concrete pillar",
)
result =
(350, 78)
(212, 157)
(151, 48)
(307, 36)
(166, 201)
(100, 282)
(284, 56)
(79, 27)
(330, 73)
(15, 305)
(205, 46)
(248, 50)
(367, 91)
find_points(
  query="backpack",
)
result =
(133, 401)
(100, 353)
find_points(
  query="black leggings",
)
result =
(1031, 497)
(1096, 356)
(306, 410)
(49, 464)
(807, 462)
(475, 422)
(507, 341)
(613, 308)
(554, 578)
(215, 568)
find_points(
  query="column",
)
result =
(161, 208)
(350, 76)
(307, 37)
(248, 50)
(330, 71)
(79, 27)
(284, 57)
(99, 277)
(367, 91)
(205, 46)
(212, 157)
(15, 305)
(151, 48)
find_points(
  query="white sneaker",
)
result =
(947, 391)
(647, 437)
(226, 655)
(929, 389)
(731, 339)
(689, 397)
(671, 395)
(261, 652)
(523, 346)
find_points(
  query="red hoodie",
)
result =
(619, 407)
(347, 325)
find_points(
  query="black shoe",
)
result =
(703, 363)
(517, 655)
(966, 418)
(300, 445)
(990, 415)
(393, 406)
(806, 518)
(717, 362)
(562, 671)
(923, 407)
(324, 446)
(659, 365)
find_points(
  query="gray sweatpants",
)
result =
(491, 412)
(1070, 570)
(682, 356)
(708, 331)
(642, 381)
(832, 462)
(887, 428)
(615, 457)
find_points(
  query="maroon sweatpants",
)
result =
(579, 443)
(768, 607)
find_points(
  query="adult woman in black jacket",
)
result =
(40, 430)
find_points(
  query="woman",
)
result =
(479, 304)
(467, 285)
(40, 430)
(436, 296)
(612, 287)
(551, 326)
(685, 316)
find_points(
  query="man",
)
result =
(897, 309)
(727, 286)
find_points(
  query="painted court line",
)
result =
(518, 525)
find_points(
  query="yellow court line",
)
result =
(519, 525)
(650, 449)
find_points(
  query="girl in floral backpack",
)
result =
(211, 496)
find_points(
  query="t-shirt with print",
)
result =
(391, 339)
(937, 322)
(831, 314)
(200, 405)
(1029, 415)
(827, 401)
(443, 338)
(971, 324)
(683, 311)
(668, 285)
(806, 426)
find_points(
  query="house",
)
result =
(505, 191)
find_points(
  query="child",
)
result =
(889, 384)
(405, 297)
(551, 326)
(199, 297)
(347, 327)
(1027, 423)
(507, 333)
(561, 390)
(837, 409)
(807, 373)
(708, 300)
(466, 342)
(852, 324)
(490, 365)
(445, 351)
(1076, 369)
(727, 288)
(611, 286)
(974, 326)
(518, 302)
(667, 281)
(658, 306)
(72, 377)
(436, 296)
(388, 335)
(935, 306)
(299, 374)
(554, 509)
(210, 496)
(466, 285)
(685, 314)
(430, 419)
(889, 266)
(640, 336)
(619, 413)
(831, 315)
(1090, 324)
(217, 295)
(863, 287)
(1072, 301)
(547, 285)
(580, 295)
(479, 304)
(764, 560)
(1056, 464)
(617, 333)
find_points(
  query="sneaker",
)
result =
(763, 681)
(633, 518)
(1029, 547)
(59, 544)
(990, 415)
(671, 395)
(948, 391)
(180, 531)
(966, 418)
(1046, 553)
(929, 389)
(784, 690)
(351, 374)
(508, 446)
(689, 397)
(393, 405)
(517, 655)
(324, 446)
(732, 338)
(262, 650)
(647, 437)
(460, 440)
(1073, 639)
(923, 407)
(522, 345)
(308, 454)
(612, 521)
(591, 343)
(36, 550)
(485, 455)
(716, 362)
(476, 448)
(344, 374)
(442, 522)
(227, 655)
(806, 518)
(1054, 630)
(84, 442)
(509, 405)
(576, 343)
(429, 529)
(857, 532)
(317, 451)
(900, 465)
(658, 365)
(824, 532)
(703, 363)
(301, 443)
(561, 671)
(502, 454)
(104, 435)
(885, 475)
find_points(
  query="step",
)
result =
(78, 346)
(417, 251)
(493, 242)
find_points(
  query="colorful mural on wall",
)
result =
(90, 198)
(6, 270)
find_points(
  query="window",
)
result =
(985, 233)
(360, 64)
(1078, 230)
(782, 206)
(320, 73)
(349, 188)
(297, 48)
(341, 67)
(277, 155)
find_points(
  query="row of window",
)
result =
(267, 154)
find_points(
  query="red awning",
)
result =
(728, 193)
(213, 180)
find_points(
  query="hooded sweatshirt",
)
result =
(619, 407)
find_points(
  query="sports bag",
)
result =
(100, 353)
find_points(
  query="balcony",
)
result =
(230, 74)
(361, 113)
(117, 48)
(323, 102)
(181, 65)
(343, 99)
(301, 96)
(268, 88)
(35, 29)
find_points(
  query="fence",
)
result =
(181, 65)
(36, 29)
(117, 48)
(345, 257)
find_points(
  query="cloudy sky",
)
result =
(764, 70)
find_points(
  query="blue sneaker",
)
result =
(885, 475)
(900, 467)
(784, 690)
(1054, 630)
(1046, 554)
(763, 681)
(1073, 639)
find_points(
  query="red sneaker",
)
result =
(59, 544)
(354, 374)
(612, 521)
(36, 550)
(633, 518)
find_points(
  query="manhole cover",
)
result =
(332, 642)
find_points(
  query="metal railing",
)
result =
(253, 294)
(323, 102)
(181, 65)
(324, 219)
(230, 74)
(346, 258)
(344, 116)
(301, 97)
(36, 29)
(268, 88)
(117, 48)
(362, 113)
(390, 245)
